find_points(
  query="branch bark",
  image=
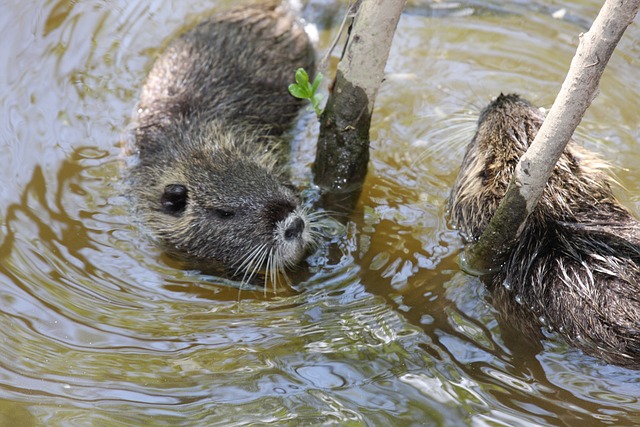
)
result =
(536, 165)
(342, 155)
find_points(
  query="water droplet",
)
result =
(507, 284)
(519, 299)
(427, 319)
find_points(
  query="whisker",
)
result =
(243, 264)
(266, 274)
(257, 256)
(286, 277)
(249, 259)
(273, 266)
(268, 269)
(260, 260)
(442, 140)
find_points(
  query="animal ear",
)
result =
(174, 198)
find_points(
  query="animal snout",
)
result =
(295, 229)
(279, 210)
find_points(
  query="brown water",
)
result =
(97, 328)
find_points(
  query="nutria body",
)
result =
(576, 265)
(211, 181)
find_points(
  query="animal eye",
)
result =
(224, 213)
(174, 198)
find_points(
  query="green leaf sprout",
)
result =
(304, 90)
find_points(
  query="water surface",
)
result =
(99, 328)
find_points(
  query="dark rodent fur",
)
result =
(211, 181)
(576, 265)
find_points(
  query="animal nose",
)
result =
(294, 230)
(279, 210)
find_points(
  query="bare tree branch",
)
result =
(343, 144)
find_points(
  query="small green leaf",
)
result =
(302, 78)
(296, 91)
(304, 90)
(316, 82)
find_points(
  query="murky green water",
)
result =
(98, 328)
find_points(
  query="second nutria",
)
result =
(211, 180)
(576, 265)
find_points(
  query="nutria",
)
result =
(576, 265)
(211, 182)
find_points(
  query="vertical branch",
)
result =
(343, 144)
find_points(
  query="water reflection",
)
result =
(97, 327)
(81, 333)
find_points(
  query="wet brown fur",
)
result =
(576, 265)
(211, 182)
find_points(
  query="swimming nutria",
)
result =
(211, 181)
(576, 265)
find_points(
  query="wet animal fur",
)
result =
(211, 182)
(576, 265)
